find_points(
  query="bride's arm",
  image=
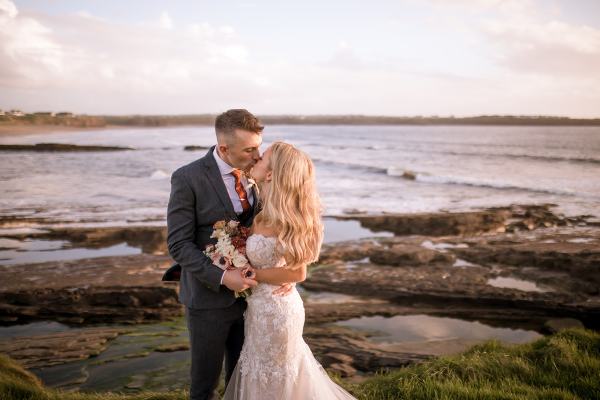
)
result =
(279, 276)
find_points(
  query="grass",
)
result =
(563, 366)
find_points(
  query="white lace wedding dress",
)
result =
(276, 363)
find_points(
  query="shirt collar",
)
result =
(224, 168)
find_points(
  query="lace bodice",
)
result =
(261, 251)
(273, 323)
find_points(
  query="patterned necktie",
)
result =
(239, 188)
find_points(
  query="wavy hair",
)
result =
(291, 205)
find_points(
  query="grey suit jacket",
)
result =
(199, 199)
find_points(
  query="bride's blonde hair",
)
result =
(291, 205)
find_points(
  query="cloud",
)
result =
(7, 9)
(345, 57)
(464, 58)
(165, 21)
(28, 52)
(527, 37)
(79, 53)
(546, 47)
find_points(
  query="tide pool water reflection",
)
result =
(340, 230)
(422, 328)
(38, 251)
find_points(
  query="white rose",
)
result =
(239, 260)
(229, 251)
(224, 241)
(225, 248)
(222, 247)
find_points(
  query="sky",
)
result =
(402, 57)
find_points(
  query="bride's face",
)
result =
(261, 172)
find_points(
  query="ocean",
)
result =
(359, 168)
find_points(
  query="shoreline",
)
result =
(25, 130)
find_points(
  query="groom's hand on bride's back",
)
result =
(236, 281)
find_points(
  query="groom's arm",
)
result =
(181, 226)
(280, 276)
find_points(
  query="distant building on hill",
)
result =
(2, 112)
(44, 114)
(16, 113)
(65, 114)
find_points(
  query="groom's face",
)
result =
(241, 150)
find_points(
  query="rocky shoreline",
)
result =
(517, 266)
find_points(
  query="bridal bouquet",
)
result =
(230, 250)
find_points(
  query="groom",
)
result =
(203, 192)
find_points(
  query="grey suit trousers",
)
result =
(214, 333)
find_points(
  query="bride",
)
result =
(275, 362)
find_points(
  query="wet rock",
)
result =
(560, 260)
(513, 218)
(194, 148)
(406, 254)
(106, 289)
(350, 211)
(333, 357)
(349, 251)
(410, 175)
(345, 370)
(435, 224)
(575, 252)
(556, 325)
(58, 348)
(347, 352)
(167, 348)
(323, 313)
(530, 217)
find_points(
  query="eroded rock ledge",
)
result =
(558, 269)
(59, 348)
(106, 289)
(499, 219)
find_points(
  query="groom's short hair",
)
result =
(230, 120)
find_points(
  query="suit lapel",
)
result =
(214, 177)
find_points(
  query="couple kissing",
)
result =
(259, 336)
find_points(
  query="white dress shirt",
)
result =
(229, 181)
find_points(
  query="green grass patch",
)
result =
(563, 366)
